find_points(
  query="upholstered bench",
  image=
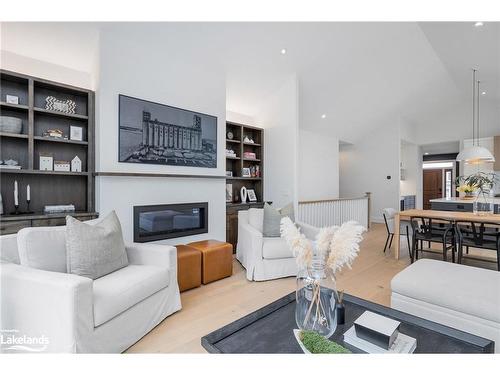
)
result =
(188, 267)
(462, 297)
(217, 259)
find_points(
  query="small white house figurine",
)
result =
(76, 164)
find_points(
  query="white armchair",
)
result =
(77, 314)
(265, 258)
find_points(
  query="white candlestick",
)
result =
(28, 195)
(16, 197)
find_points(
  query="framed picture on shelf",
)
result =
(229, 173)
(12, 99)
(246, 172)
(75, 133)
(251, 195)
(229, 193)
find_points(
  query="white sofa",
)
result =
(79, 315)
(463, 297)
(265, 258)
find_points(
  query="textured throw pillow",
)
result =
(272, 220)
(95, 250)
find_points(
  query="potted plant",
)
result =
(483, 183)
(465, 188)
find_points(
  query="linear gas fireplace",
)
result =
(159, 222)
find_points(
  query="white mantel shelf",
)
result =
(164, 175)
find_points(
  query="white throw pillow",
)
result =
(256, 218)
(43, 248)
(95, 250)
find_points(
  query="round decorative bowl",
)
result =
(11, 124)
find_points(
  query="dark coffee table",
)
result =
(270, 330)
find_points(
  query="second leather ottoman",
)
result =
(217, 259)
(188, 267)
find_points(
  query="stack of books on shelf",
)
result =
(377, 334)
(6, 166)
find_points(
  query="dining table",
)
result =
(452, 216)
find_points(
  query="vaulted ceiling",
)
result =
(360, 75)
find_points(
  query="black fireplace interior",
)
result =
(159, 222)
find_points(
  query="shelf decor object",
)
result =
(34, 153)
(475, 154)
(65, 106)
(11, 99)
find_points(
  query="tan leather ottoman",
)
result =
(217, 259)
(188, 267)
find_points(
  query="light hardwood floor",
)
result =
(212, 306)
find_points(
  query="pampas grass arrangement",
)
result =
(336, 246)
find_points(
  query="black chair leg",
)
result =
(390, 242)
(386, 241)
(414, 245)
(498, 259)
(408, 241)
(429, 244)
(415, 253)
(445, 251)
(466, 249)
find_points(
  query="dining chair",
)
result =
(389, 214)
(432, 231)
(482, 235)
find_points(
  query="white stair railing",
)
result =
(324, 213)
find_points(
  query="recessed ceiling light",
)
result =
(478, 24)
(483, 93)
(283, 51)
(426, 153)
(323, 116)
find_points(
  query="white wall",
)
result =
(365, 165)
(411, 159)
(318, 174)
(42, 69)
(133, 62)
(240, 118)
(279, 118)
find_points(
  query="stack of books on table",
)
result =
(377, 334)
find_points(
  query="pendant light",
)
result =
(475, 154)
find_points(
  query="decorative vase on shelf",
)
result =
(483, 204)
(316, 299)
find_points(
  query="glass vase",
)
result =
(483, 204)
(316, 299)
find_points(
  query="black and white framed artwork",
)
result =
(154, 133)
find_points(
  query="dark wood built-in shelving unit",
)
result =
(236, 165)
(47, 187)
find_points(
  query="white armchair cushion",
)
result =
(8, 248)
(275, 248)
(118, 291)
(256, 218)
(43, 248)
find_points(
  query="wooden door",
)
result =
(433, 186)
